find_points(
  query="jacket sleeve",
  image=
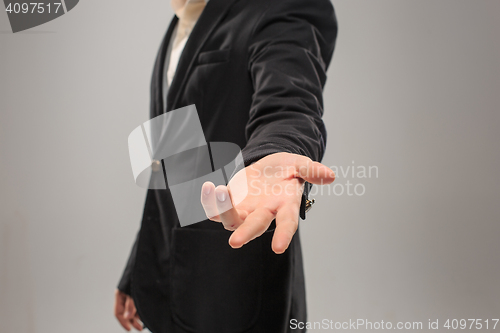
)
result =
(125, 283)
(289, 52)
(151, 212)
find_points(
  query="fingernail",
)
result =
(332, 174)
(206, 190)
(221, 196)
(126, 314)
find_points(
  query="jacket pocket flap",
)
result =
(210, 57)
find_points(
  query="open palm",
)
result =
(266, 190)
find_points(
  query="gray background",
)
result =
(414, 89)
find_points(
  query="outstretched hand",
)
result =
(269, 189)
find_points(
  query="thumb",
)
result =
(129, 308)
(314, 172)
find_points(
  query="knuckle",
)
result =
(263, 224)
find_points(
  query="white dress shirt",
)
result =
(188, 12)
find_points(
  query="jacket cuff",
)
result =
(125, 284)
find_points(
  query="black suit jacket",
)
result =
(255, 70)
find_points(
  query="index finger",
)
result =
(255, 225)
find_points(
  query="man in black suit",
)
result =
(255, 71)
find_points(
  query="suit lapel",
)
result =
(209, 18)
(157, 106)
